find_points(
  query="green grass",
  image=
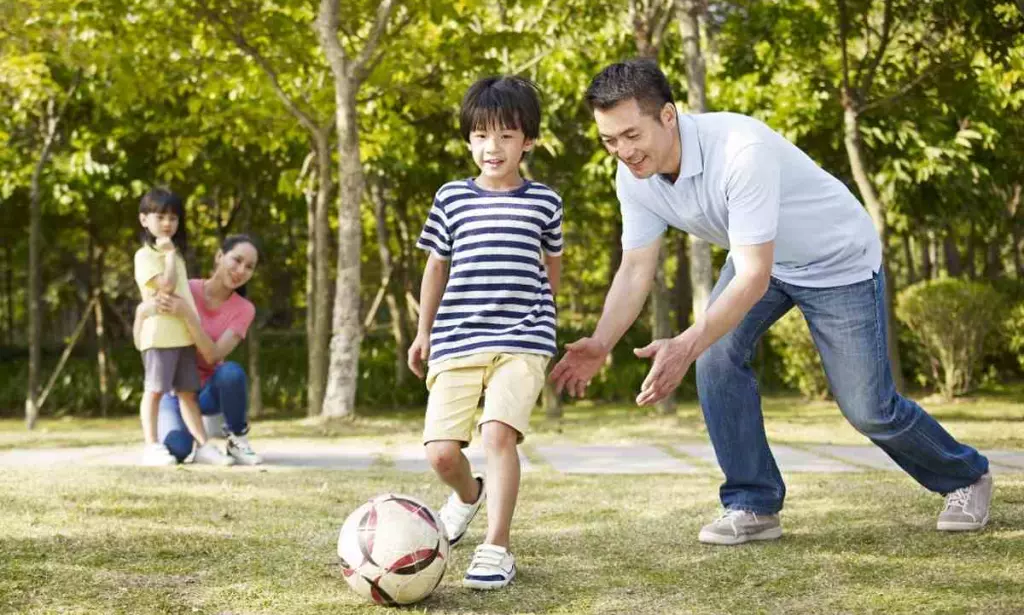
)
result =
(198, 540)
(991, 420)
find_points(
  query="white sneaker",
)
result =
(156, 454)
(210, 454)
(456, 514)
(241, 450)
(493, 567)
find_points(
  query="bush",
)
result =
(801, 364)
(956, 321)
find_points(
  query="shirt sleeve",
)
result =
(241, 321)
(148, 265)
(436, 237)
(752, 193)
(551, 236)
(640, 225)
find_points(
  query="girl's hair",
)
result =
(163, 201)
(233, 240)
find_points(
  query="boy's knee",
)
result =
(443, 455)
(498, 436)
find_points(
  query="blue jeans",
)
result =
(848, 325)
(224, 392)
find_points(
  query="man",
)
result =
(796, 237)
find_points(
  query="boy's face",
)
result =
(497, 152)
(160, 224)
(638, 139)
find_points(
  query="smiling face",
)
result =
(643, 143)
(160, 224)
(236, 266)
(497, 152)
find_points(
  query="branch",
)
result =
(245, 47)
(844, 27)
(883, 43)
(909, 86)
(359, 67)
(326, 26)
(52, 123)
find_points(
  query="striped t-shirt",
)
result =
(498, 298)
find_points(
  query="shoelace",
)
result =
(242, 444)
(487, 557)
(732, 514)
(960, 498)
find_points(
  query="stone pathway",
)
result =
(685, 458)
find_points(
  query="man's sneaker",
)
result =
(456, 514)
(210, 454)
(739, 526)
(967, 507)
(241, 450)
(156, 454)
(492, 567)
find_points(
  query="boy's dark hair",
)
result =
(233, 240)
(163, 201)
(639, 79)
(505, 102)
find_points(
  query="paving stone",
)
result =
(636, 459)
(1009, 459)
(413, 458)
(789, 459)
(869, 456)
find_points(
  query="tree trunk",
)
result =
(972, 252)
(855, 153)
(954, 267)
(926, 245)
(255, 381)
(661, 321)
(682, 292)
(346, 335)
(387, 270)
(1013, 206)
(908, 255)
(319, 335)
(9, 293)
(102, 362)
(701, 271)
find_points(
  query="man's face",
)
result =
(638, 139)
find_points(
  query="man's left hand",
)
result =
(672, 359)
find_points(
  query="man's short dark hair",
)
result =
(504, 102)
(640, 79)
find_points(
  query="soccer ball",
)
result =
(393, 550)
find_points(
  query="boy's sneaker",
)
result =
(240, 449)
(456, 514)
(967, 507)
(156, 454)
(210, 454)
(493, 567)
(739, 526)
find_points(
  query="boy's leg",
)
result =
(452, 467)
(503, 473)
(848, 324)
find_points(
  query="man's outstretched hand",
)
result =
(581, 362)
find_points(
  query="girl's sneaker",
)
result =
(240, 449)
(156, 454)
(493, 567)
(210, 454)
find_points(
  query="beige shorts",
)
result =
(512, 381)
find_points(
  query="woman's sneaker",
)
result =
(240, 449)
(493, 567)
(456, 514)
(156, 454)
(211, 455)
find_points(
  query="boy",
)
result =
(487, 315)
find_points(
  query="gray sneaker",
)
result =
(967, 507)
(736, 527)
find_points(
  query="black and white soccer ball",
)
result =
(393, 550)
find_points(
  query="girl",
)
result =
(168, 350)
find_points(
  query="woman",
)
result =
(222, 318)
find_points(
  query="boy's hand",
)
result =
(418, 353)
(164, 244)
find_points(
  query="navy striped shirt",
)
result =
(498, 298)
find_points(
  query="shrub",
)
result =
(956, 321)
(801, 364)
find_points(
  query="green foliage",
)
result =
(956, 321)
(801, 364)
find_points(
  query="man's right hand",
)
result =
(581, 362)
(418, 353)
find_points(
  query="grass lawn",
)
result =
(199, 540)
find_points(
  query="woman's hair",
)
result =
(233, 240)
(163, 201)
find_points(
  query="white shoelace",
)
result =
(961, 497)
(733, 514)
